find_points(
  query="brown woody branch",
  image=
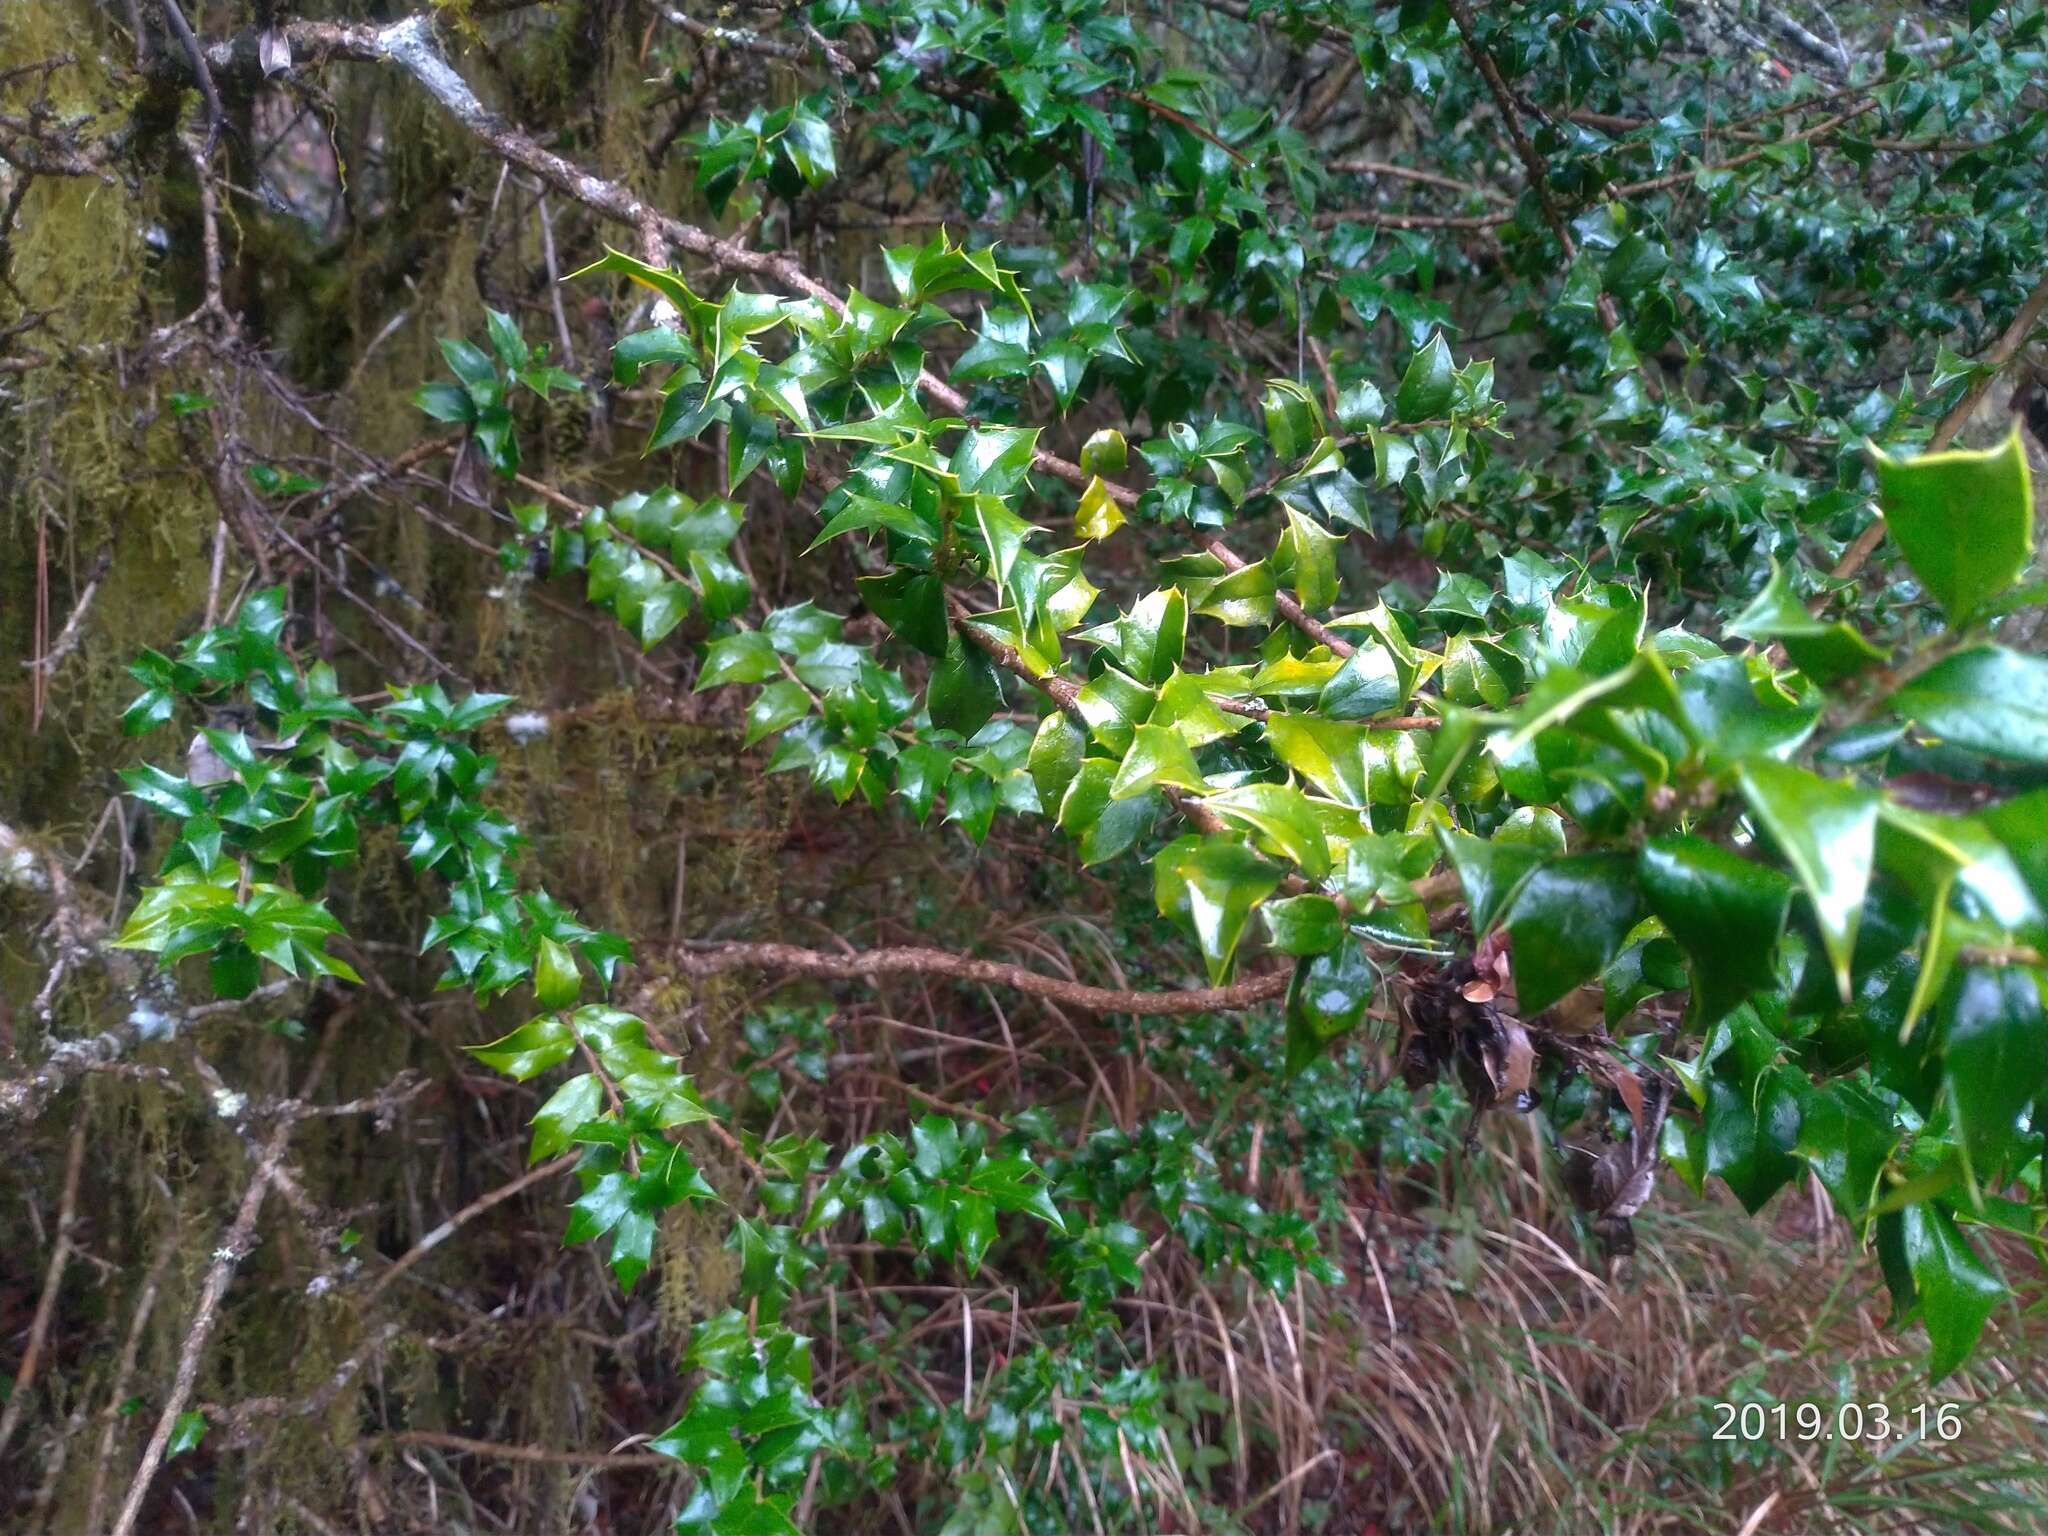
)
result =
(712, 958)
(617, 1461)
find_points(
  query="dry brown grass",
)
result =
(1489, 1380)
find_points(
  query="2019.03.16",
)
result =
(1844, 1421)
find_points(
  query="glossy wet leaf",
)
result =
(964, 692)
(530, 1049)
(1212, 884)
(1964, 520)
(1157, 758)
(1568, 920)
(1303, 925)
(1751, 1130)
(1988, 699)
(1994, 1060)
(1825, 652)
(1955, 1291)
(1326, 999)
(1427, 384)
(1827, 830)
(1489, 872)
(912, 604)
(1724, 910)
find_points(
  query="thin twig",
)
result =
(468, 1213)
(710, 958)
(641, 1461)
(227, 1258)
(174, 16)
(68, 637)
(46, 1307)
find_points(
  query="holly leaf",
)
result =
(1490, 872)
(1825, 652)
(1211, 885)
(912, 604)
(1827, 831)
(1158, 757)
(555, 1123)
(1426, 387)
(1326, 999)
(530, 1049)
(1994, 1060)
(1725, 911)
(1954, 1293)
(1988, 700)
(1568, 921)
(1963, 520)
(964, 692)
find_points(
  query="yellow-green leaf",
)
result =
(1963, 520)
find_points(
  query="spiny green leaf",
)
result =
(1963, 520)
(1427, 386)
(530, 1049)
(913, 605)
(1567, 921)
(1994, 1060)
(1158, 757)
(1490, 872)
(568, 1107)
(1988, 700)
(1956, 1293)
(1327, 998)
(1827, 831)
(964, 691)
(1724, 910)
(1825, 652)
(1212, 885)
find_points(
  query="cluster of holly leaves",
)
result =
(1864, 971)
(1726, 212)
(286, 777)
(1862, 957)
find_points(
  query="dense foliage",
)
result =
(1455, 512)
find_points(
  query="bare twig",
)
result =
(621, 1461)
(174, 16)
(46, 1307)
(468, 1213)
(234, 1246)
(22, 1098)
(705, 959)
(68, 637)
(110, 1416)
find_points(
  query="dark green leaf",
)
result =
(1827, 831)
(1567, 921)
(964, 691)
(1326, 999)
(1955, 1291)
(912, 604)
(1994, 1060)
(1426, 387)
(1724, 910)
